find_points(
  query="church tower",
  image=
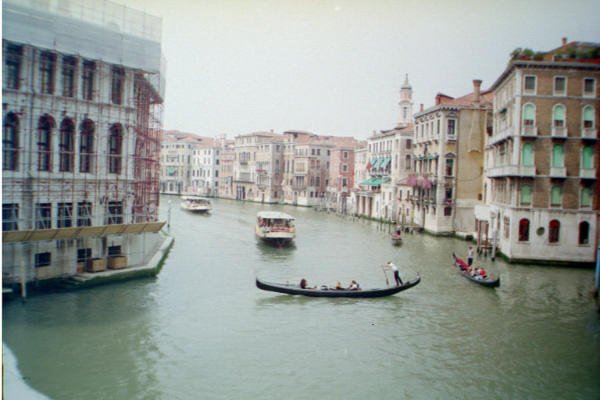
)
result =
(405, 104)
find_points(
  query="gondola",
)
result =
(288, 288)
(463, 268)
(396, 239)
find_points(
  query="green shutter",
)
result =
(556, 196)
(586, 197)
(558, 156)
(588, 114)
(559, 112)
(527, 155)
(525, 194)
(528, 112)
(587, 158)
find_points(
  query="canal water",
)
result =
(202, 330)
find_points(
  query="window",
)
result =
(47, 68)
(407, 162)
(345, 154)
(506, 227)
(10, 143)
(524, 230)
(556, 196)
(43, 216)
(560, 85)
(344, 182)
(589, 87)
(451, 127)
(115, 143)
(45, 126)
(114, 251)
(10, 217)
(43, 259)
(118, 81)
(344, 167)
(558, 155)
(527, 155)
(86, 146)
(558, 116)
(69, 68)
(530, 84)
(67, 139)
(115, 212)
(587, 157)
(586, 197)
(525, 195)
(12, 66)
(447, 211)
(449, 167)
(84, 254)
(528, 115)
(584, 233)
(64, 213)
(553, 231)
(588, 117)
(87, 80)
(408, 144)
(84, 214)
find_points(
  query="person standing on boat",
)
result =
(470, 256)
(394, 268)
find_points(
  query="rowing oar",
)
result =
(386, 279)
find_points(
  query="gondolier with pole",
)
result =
(394, 268)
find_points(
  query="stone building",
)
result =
(82, 97)
(542, 157)
(448, 162)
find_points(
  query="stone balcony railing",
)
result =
(587, 173)
(558, 172)
(589, 133)
(559, 131)
(529, 130)
(510, 170)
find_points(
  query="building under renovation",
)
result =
(82, 103)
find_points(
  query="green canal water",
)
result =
(202, 330)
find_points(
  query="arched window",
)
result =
(115, 146)
(10, 143)
(553, 231)
(45, 126)
(67, 140)
(86, 145)
(587, 157)
(584, 233)
(588, 117)
(586, 197)
(558, 116)
(556, 196)
(529, 115)
(527, 155)
(524, 230)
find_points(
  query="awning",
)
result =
(376, 162)
(385, 161)
(371, 182)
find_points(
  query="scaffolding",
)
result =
(83, 88)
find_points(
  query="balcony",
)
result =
(589, 133)
(558, 172)
(450, 138)
(500, 135)
(510, 170)
(587, 173)
(559, 132)
(529, 130)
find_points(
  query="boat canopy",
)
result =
(274, 215)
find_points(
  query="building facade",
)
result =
(542, 158)
(81, 134)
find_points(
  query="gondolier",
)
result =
(394, 268)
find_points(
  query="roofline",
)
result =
(540, 64)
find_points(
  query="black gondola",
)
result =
(464, 270)
(288, 288)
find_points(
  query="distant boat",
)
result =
(396, 236)
(195, 203)
(295, 289)
(275, 227)
(465, 270)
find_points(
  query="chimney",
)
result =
(564, 41)
(476, 90)
(421, 107)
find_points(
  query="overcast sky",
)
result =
(336, 67)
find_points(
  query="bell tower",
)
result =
(405, 104)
